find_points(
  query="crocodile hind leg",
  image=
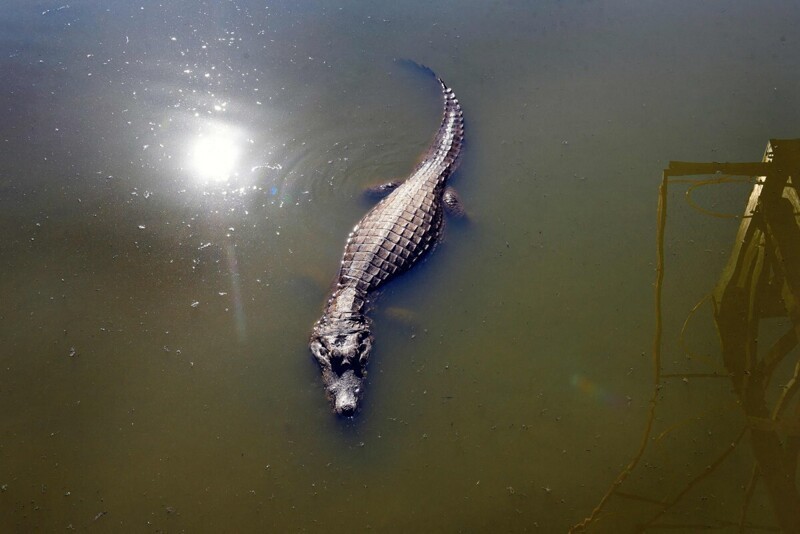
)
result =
(452, 203)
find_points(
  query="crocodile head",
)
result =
(343, 360)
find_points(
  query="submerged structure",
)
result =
(387, 241)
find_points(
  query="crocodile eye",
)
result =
(320, 349)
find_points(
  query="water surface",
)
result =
(176, 183)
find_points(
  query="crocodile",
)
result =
(390, 239)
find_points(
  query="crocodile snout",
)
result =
(344, 391)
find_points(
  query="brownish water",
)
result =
(176, 183)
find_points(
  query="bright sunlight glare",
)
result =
(214, 156)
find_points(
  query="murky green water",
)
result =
(176, 183)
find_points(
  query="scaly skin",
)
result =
(387, 241)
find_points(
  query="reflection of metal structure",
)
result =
(761, 281)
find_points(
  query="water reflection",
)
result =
(213, 156)
(759, 285)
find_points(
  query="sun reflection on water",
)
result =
(214, 155)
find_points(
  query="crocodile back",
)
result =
(402, 227)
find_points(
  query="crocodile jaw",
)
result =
(344, 391)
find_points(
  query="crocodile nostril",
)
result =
(347, 410)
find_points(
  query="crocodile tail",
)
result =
(446, 146)
(450, 136)
(417, 66)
